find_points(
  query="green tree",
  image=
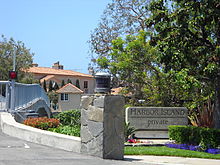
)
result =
(29, 79)
(62, 83)
(133, 62)
(45, 86)
(120, 18)
(53, 96)
(50, 87)
(77, 84)
(188, 37)
(23, 57)
(69, 81)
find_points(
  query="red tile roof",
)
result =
(52, 71)
(69, 88)
(50, 77)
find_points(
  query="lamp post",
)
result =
(13, 76)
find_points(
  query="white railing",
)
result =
(24, 95)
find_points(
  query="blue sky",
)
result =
(55, 30)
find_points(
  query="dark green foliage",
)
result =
(45, 86)
(206, 137)
(53, 96)
(69, 81)
(128, 131)
(50, 88)
(70, 123)
(77, 84)
(24, 58)
(210, 138)
(188, 35)
(71, 117)
(62, 83)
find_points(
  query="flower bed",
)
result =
(193, 148)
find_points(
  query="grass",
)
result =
(165, 151)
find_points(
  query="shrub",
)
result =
(42, 122)
(210, 138)
(203, 116)
(70, 118)
(128, 131)
(205, 137)
(67, 130)
(179, 133)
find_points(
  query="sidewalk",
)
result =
(166, 160)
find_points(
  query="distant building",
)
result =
(69, 97)
(57, 74)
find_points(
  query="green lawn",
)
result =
(165, 151)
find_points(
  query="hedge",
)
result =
(205, 137)
(71, 117)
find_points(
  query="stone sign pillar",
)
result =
(102, 126)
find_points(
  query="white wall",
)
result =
(73, 102)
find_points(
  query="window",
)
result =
(64, 96)
(85, 84)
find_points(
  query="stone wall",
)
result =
(102, 126)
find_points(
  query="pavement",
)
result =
(14, 151)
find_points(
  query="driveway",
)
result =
(14, 151)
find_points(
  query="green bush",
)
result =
(70, 118)
(210, 138)
(67, 130)
(179, 133)
(206, 137)
(70, 123)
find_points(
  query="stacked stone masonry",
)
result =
(102, 126)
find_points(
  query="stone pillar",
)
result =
(102, 126)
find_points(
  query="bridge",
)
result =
(24, 100)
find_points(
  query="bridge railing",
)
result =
(4, 95)
(29, 93)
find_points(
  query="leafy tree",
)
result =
(29, 79)
(120, 18)
(23, 57)
(50, 87)
(133, 61)
(188, 35)
(53, 96)
(77, 84)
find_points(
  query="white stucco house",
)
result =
(69, 97)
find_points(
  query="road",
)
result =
(14, 151)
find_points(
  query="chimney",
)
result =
(57, 65)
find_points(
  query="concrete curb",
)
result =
(10, 127)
